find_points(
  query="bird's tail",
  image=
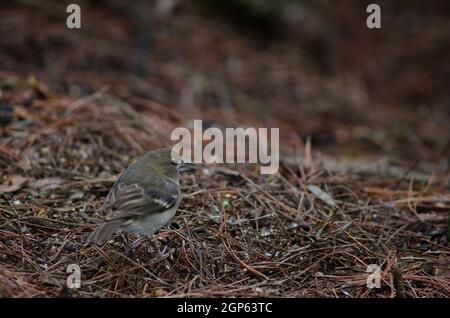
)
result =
(103, 232)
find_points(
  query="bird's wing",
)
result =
(127, 200)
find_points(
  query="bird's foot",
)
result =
(134, 245)
(158, 254)
(163, 253)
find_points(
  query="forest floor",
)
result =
(363, 178)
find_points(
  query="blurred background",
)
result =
(311, 68)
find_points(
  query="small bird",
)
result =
(144, 198)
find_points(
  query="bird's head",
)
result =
(167, 162)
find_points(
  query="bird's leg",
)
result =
(125, 238)
(138, 242)
(135, 244)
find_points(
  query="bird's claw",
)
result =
(164, 253)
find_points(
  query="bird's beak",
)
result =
(187, 166)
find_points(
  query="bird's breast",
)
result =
(149, 224)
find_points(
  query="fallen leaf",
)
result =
(322, 195)
(13, 183)
(442, 268)
(46, 183)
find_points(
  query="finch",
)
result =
(144, 198)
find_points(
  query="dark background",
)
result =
(312, 68)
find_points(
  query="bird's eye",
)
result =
(173, 163)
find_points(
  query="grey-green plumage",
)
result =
(144, 198)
